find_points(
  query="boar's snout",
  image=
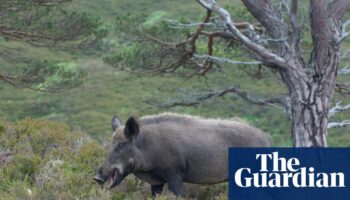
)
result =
(99, 179)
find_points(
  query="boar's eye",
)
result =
(120, 146)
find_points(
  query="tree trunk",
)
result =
(310, 85)
(311, 97)
(309, 121)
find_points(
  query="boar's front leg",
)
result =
(175, 184)
(156, 189)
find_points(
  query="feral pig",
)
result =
(173, 148)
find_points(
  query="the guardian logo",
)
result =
(289, 173)
(279, 172)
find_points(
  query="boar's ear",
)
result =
(116, 123)
(131, 129)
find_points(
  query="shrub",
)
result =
(51, 161)
(22, 168)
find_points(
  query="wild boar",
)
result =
(173, 148)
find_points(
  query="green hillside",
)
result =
(63, 136)
(107, 91)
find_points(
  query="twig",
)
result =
(226, 60)
(344, 123)
(345, 33)
(338, 108)
(344, 71)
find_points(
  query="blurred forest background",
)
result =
(52, 142)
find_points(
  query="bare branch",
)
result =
(36, 77)
(178, 25)
(338, 108)
(202, 97)
(345, 55)
(342, 88)
(208, 63)
(12, 81)
(273, 40)
(184, 53)
(345, 33)
(268, 58)
(344, 71)
(242, 26)
(344, 123)
(225, 60)
(50, 2)
(7, 32)
(157, 40)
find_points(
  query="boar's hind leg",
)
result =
(156, 189)
(175, 184)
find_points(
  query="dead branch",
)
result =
(338, 108)
(16, 82)
(344, 71)
(225, 60)
(177, 25)
(9, 33)
(268, 58)
(50, 2)
(344, 123)
(344, 33)
(202, 97)
(185, 51)
(342, 89)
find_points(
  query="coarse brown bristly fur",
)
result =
(174, 148)
(175, 117)
(239, 132)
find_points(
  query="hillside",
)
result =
(107, 92)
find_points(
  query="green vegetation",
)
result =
(57, 150)
(107, 91)
(46, 160)
(44, 24)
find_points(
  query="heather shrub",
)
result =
(47, 160)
